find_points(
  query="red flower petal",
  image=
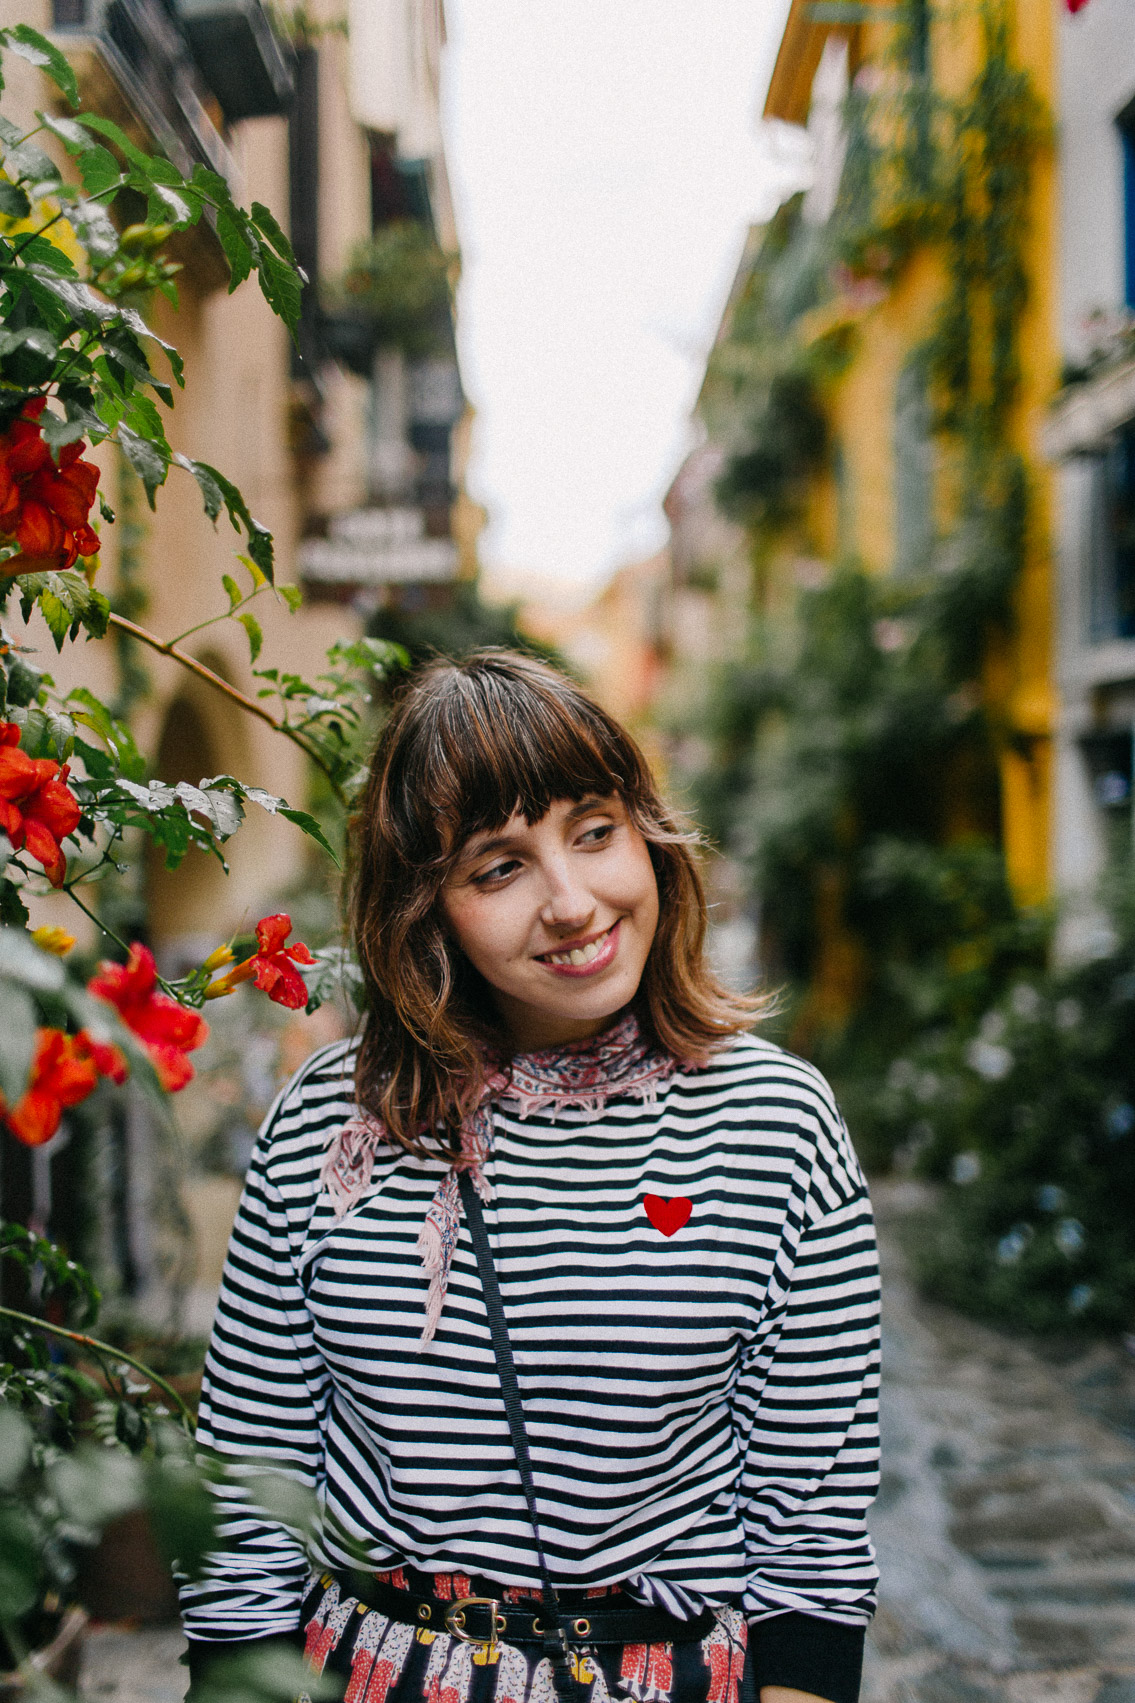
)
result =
(283, 985)
(271, 932)
(45, 848)
(40, 531)
(173, 1068)
(35, 1118)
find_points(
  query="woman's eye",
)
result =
(498, 872)
(599, 835)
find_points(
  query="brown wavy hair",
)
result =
(466, 745)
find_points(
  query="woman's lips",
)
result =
(607, 945)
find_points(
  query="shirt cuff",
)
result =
(202, 1654)
(801, 1650)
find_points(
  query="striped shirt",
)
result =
(702, 1406)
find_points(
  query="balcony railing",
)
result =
(170, 69)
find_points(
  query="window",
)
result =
(914, 471)
(1126, 123)
(1111, 541)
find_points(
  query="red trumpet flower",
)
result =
(44, 506)
(62, 1074)
(272, 965)
(36, 809)
(167, 1030)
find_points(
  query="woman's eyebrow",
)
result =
(482, 848)
(593, 801)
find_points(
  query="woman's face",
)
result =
(558, 917)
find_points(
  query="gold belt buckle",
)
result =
(455, 1619)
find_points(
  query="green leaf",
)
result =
(14, 202)
(22, 963)
(73, 137)
(31, 164)
(67, 602)
(95, 228)
(235, 594)
(107, 127)
(214, 485)
(281, 288)
(308, 825)
(13, 911)
(255, 636)
(260, 548)
(212, 494)
(57, 615)
(238, 250)
(36, 48)
(99, 170)
(41, 251)
(79, 301)
(33, 336)
(17, 1037)
(292, 596)
(57, 432)
(221, 808)
(45, 732)
(93, 713)
(145, 458)
(265, 222)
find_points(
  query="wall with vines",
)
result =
(860, 754)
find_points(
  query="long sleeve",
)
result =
(806, 1418)
(263, 1400)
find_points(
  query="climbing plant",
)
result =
(856, 751)
(86, 222)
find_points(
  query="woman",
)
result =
(676, 1223)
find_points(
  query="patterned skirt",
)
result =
(389, 1661)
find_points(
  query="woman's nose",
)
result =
(567, 902)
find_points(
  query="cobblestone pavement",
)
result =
(1005, 1528)
(1006, 1523)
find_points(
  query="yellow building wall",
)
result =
(1021, 687)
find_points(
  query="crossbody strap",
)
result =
(555, 1634)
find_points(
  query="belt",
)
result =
(485, 1620)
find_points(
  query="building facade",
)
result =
(348, 445)
(1091, 440)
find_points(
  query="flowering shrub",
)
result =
(167, 1029)
(37, 811)
(45, 504)
(271, 966)
(77, 796)
(1027, 1118)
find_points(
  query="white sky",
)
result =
(606, 161)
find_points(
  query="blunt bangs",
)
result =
(498, 739)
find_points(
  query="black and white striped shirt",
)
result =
(701, 1407)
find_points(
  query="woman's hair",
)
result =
(466, 745)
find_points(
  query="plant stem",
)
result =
(250, 705)
(225, 615)
(100, 1348)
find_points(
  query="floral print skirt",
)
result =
(387, 1661)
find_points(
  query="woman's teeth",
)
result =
(581, 954)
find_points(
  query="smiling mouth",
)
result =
(579, 954)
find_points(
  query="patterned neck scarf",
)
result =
(584, 1074)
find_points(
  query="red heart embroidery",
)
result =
(667, 1215)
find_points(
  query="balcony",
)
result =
(140, 64)
(1086, 414)
(240, 56)
(134, 65)
(368, 549)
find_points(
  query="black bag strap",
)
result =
(555, 1631)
